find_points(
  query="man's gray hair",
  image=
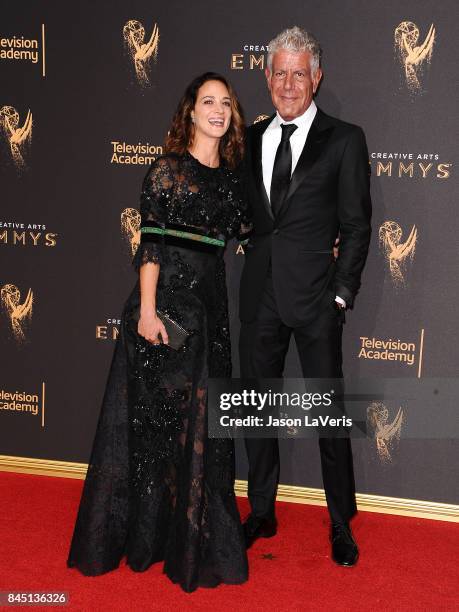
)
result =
(298, 40)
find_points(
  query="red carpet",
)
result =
(405, 563)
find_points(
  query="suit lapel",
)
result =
(318, 135)
(258, 166)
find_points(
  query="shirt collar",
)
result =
(303, 120)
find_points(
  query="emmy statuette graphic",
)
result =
(397, 253)
(141, 52)
(413, 57)
(386, 434)
(130, 227)
(19, 314)
(17, 136)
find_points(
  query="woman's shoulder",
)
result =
(164, 166)
(167, 160)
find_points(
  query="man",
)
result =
(308, 182)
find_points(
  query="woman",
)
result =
(157, 488)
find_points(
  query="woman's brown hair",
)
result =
(180, 135)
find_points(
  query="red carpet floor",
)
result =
(405, 563)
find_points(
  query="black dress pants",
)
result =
(263, 346)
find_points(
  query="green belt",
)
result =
(181, 234)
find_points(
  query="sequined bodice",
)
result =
(180, 192)
(195, 195)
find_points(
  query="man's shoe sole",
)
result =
(346, 564)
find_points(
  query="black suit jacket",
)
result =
(329, 194)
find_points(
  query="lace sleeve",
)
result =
(154, 200)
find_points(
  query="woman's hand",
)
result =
(152, 328)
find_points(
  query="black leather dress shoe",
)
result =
(344, 548)
(255, 528)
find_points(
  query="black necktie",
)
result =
(282, 169)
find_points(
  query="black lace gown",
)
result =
(157, 488)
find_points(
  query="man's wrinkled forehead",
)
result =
(284, 59)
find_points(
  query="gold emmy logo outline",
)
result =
(141, 52)
(260, 118)
(396, 252)
(412, 56)
(17, 136)
(19, 314)
(387, 435)
(130, 227)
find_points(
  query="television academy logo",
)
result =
(386, 434)
(20, 314)
(397, 253)
(406, 352)
(141, 52)
(17, 136)
(19, 48)
(130, 228)
(24, 402)
(134, 154)
(412, 56)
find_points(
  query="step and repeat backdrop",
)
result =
(87, 93)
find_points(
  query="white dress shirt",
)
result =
(271, 140)
(272, 137)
